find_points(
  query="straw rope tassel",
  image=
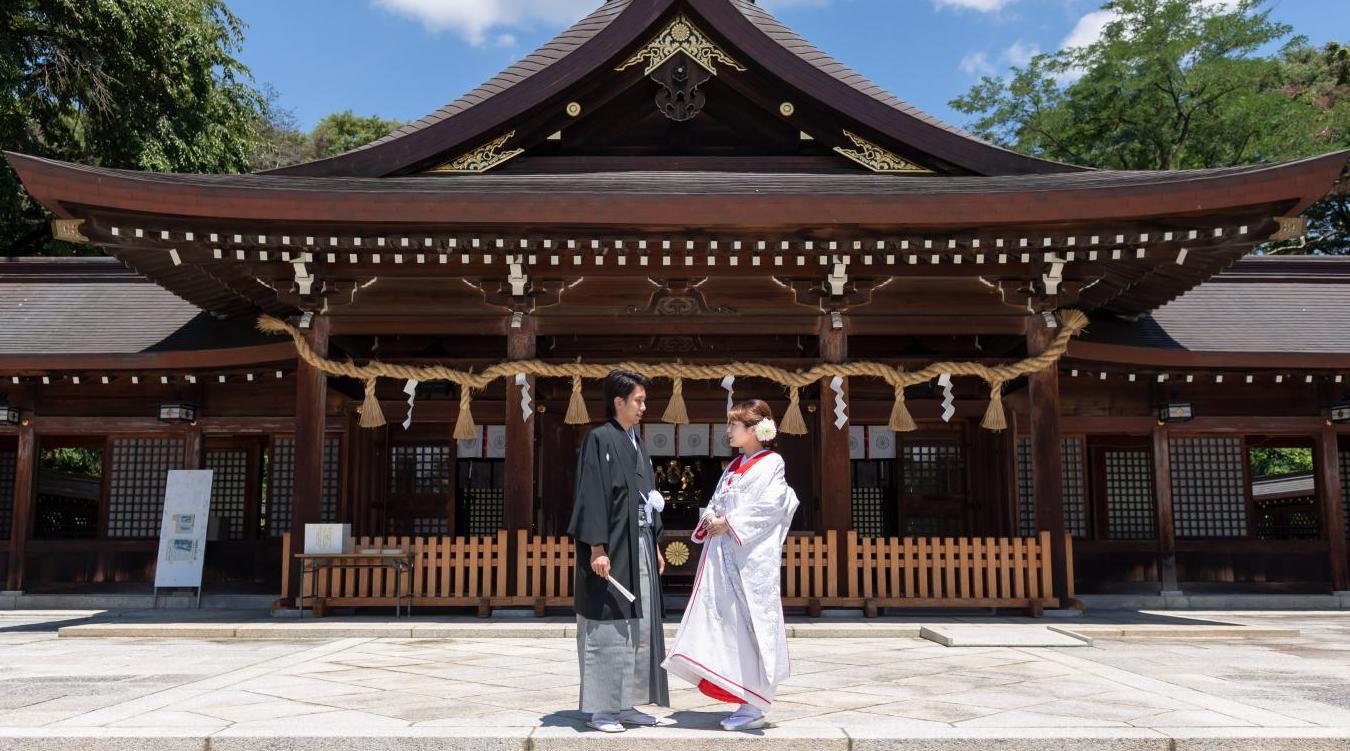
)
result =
(465, 430)
(676, 412)
(371, 414)
(576, 406)
(793, 423)
(901, 420)
(1071, 323)
(994, 417)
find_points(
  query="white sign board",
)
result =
(182, 536)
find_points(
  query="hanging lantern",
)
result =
(178, 412)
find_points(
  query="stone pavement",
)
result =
(1159, 692)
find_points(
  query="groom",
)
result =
(615, 524)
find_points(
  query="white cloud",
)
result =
(1020, 53)
(1089, 29)
(481, 21)
(984, 6)
(977, 64)
(773, 5)
(1091, 26)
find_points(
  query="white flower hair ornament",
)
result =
(765, 429)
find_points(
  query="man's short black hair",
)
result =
(620, 383)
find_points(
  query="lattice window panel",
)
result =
(482, 510)
(417, 469)
(482, 497)
(869, 514)
(140, 470)
(8, 459)
(1209, 494)
(281, 484)
(1131, 511)
(1345, 489)
(1026, 493)
(430, 526)
(932, 468)
(873, 492)
(229, 490)
(1073, 483)
(1074, 487)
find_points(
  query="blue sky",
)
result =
(404, 58)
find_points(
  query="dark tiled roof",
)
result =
(96, 306)
(1270, 304)
(794, 43)
(691, 183)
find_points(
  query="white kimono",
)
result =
(732, 643)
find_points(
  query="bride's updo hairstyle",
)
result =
(750, 413)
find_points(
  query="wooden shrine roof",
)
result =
(1262, 304)
(689, 199)
(83, 306)
(596, 43)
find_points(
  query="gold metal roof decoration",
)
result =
(681, 35)
(68, 230)
(876, 158)
(481, 159)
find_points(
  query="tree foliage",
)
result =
(1173, 84)
(141, 84)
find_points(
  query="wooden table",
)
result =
(400, 562)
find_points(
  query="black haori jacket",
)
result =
(612, 480)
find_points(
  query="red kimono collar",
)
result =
(742, 465)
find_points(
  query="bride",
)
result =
(732, 643)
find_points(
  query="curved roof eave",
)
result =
(590, 47)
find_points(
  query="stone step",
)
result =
(973, 635)
(872, 738)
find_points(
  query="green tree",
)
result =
(1173, 84)
(142, 84)
(1270, 462)
(344, 131)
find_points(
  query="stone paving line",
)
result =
(851, 694)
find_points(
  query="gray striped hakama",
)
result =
(621, 660)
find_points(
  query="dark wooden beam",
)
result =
(1331, 494)
(193, 453)
(25, 481)
(836, 482)
(262, 356)
(1046, 459)
(520, 434)
(311, 396)
(1162, 489)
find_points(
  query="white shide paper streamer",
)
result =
(948, 398)
(526, 409)
(410, 388)
(840, 419)
(729, 383)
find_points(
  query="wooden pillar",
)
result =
(25, 476)
(518, 484)
(1331, 493)
(193, 452)
(1167, 532)
(311, 397)
(1047, 464)
(836, 482)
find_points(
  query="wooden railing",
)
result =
(545, 571)
(446, 571)
(810, 575)
(817, 572)
(951, 572)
